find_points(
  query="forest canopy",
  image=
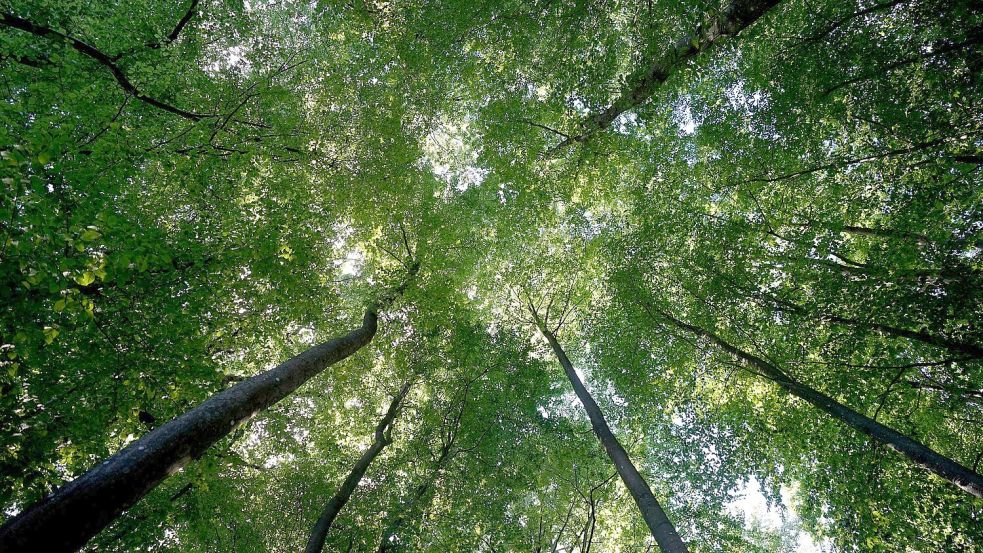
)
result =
(496, 276)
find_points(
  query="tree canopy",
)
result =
(738, 240)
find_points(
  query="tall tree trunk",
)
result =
(388, 542)
(68, 518)
(382, 438)
(659, 524)
(734, 17)
(919, 453)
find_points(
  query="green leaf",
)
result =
(90, 234)
(86, 278)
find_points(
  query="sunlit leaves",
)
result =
(823, 163)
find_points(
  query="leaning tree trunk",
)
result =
(733, 18)
(315, 544)
(659, 524)
(68, 518)
(388, 541)
(921, 454)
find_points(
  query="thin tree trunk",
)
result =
(919, 453)
(735, 16)
(449, 434)
(68, 518)
(387, 543)
(659, 524)
(563, 528)
(315, 544)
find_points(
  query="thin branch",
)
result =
(903, 62)
(126, 100)
(169, 39)
(883, 399)
(406, 242)
(85, 49)
(172, 36)
(847, 18)
(546, 128)
(393, 255)
(841, 163)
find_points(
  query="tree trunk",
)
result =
(387, 543)
(921, 454)
(68, 518)
(659, 524)
(737, 15)
(448, 450)
(316, 542)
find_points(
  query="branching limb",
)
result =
(170, 38)
(14, 22)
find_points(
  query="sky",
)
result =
(750, 502)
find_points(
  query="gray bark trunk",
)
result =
(315, 544)
(659, 524)
(919, 453)
(735, 16)
(67, 519)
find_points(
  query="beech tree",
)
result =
(655, 517)
(750, 232)
(66, 519)
(381, 438)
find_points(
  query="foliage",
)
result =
(271, 166)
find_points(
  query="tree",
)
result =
(192, 192)
(381, 438)
(93, 500)
(942, 466)
(655, 517)
(732, 19)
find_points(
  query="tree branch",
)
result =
(85, 49)
(736, 15)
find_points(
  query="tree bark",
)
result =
(65, 520)
(659, 524)
(68, 518)
(735, 16)
(315, 544)
(919, 453)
